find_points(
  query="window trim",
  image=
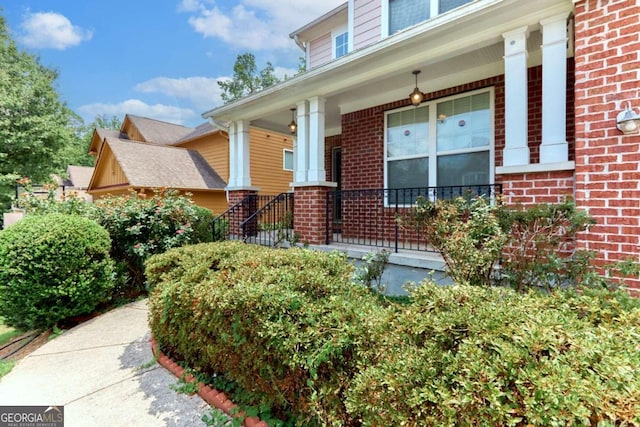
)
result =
(335, 33)
(284, 160)
(434, 11)
(433, 152)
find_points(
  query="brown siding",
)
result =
(216, 201)
(109, 172)
(267, 172)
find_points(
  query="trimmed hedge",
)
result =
(290, 329)
(285, 325)
(53, 267)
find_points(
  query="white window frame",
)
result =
(433, 152)
(385, 14)
(285, 151)
(337, 32)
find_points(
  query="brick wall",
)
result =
(310, 214)
(538, 187)
(607, 63)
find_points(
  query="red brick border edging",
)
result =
(210, 395)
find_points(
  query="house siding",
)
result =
(607, 162)
(267, 172)
(216, 202)
(215, 150)
(320, 51)
(110, 174)
(367, 22)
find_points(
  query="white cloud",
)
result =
(282, 72)
(203, 92)
(257, 24)
(51, 30)
(136, 107)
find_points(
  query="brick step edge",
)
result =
(210, 395)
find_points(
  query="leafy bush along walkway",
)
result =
(288, 331)
(104, 374)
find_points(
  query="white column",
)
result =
(244, 164)
(516, 150)
(302, 148)
(233, 157)
(554, 147)
(316, 140)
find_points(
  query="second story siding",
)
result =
(367, 22)
(320, 50)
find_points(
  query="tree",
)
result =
(34, 123)
(246, 78)
(76, 151)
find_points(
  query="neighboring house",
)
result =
(146, 154)
(515, 96)
(77, 182)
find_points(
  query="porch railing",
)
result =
(378, 217)
(272, 224)
(228, 225)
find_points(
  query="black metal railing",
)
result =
(272, 224)
(380, 217)
(228, 225)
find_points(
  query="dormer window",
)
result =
(407, 13)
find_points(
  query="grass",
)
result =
(6, 334)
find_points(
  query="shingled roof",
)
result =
(159, 132)
(201, 130)
(150, 165)
(79, 176)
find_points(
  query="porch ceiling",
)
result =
(451, 49)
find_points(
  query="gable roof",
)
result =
(79, 176)
(158, 132)
(150, 165)
(201, 130)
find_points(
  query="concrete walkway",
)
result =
(99, 371)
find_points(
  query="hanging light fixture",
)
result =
(293, 126)
(416, 95)
(628, 121)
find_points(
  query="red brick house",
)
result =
(515, 96)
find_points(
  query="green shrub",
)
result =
(541, 247)
(39, 204)
(141, 225)
(469, 356)
(52, 267)
(285, 325)
(467, 233)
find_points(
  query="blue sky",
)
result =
(158, 59)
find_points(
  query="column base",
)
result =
(554, 152)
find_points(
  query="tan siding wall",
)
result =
(367, 22)
(321, 50)
(132, 131)
(215, 150)
(267, 171)
(109, 173)
(216, 202)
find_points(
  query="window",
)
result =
(443, 143)
(287, 160)
(341, 45)
(406, 13)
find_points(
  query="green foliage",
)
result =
(284, 332)
(39, 204)
(35, 124)
(52, 267)
(466, 356)
(369, 272)
(141, 225)
(247, 79)
(467, 234)
(217, 418)
(76, 152)
(540, 251)
(293, 311)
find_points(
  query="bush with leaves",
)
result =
(53, 267)
(467, 356)
(50, 202)
(141, 225)
(467, 233)
(285, 325)
(541, 249)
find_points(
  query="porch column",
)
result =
(233, 158)
(302, 146)
(243, 160)
(316, 140)
(554, 147)
(516, 150)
